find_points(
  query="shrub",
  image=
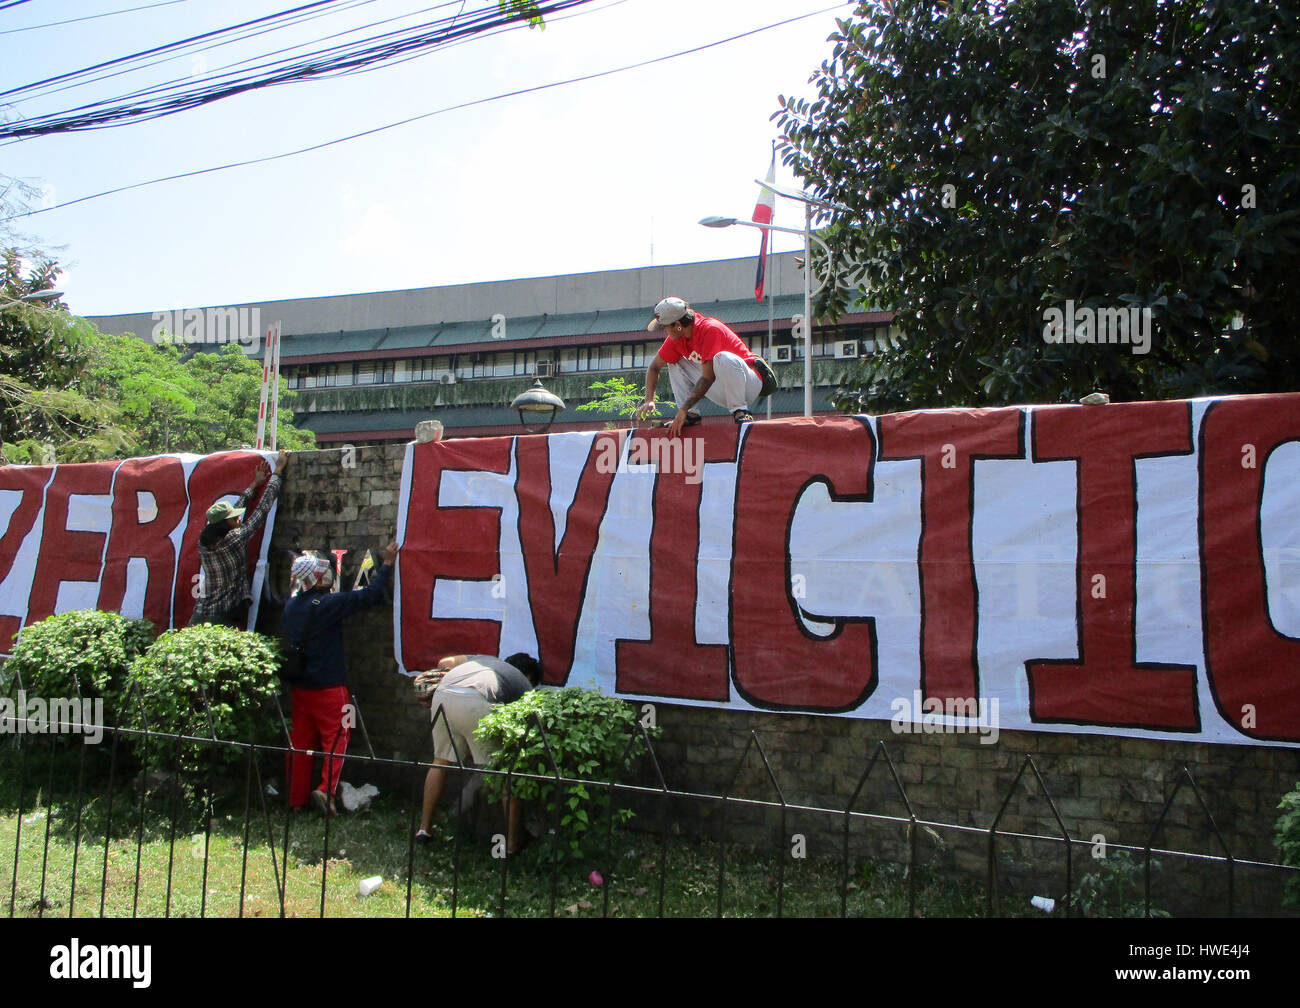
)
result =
(87, 649)
(1287, 837)
(1115, 888)
(238, 672)
(589, 736)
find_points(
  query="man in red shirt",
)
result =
(705, 360)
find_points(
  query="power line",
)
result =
(194, 49)
(92, 17)
(425, 115)
(161, 48)
(368, 53)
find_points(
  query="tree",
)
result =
(996, 161)
(618, 396)
(43, 413)
(206, 403)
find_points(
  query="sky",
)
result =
(602, 174)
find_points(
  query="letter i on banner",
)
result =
(266, 383)
(273, 412)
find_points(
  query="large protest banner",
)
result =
(1124, 569)
(117, 536)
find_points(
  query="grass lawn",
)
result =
(166, 874)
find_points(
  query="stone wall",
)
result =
(1104, 787)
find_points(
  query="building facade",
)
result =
(368, 367)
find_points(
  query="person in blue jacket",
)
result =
(322, 719)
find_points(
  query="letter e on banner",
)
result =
(68, 555)
(557, 578)
(448, 543)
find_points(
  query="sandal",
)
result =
(692, 419)
(323, 804)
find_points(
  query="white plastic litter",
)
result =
(367, 886)
(1043, 903)
(355, 799)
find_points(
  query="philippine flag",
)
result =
(763, 211)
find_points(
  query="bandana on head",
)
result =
(307, 570)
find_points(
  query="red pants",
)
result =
(321, 722)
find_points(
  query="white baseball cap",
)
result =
(668, 311)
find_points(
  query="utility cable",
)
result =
(425, 115)
(366, 54)
(92, 17)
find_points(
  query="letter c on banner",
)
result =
(777, 663)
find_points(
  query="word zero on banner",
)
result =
(1132, 568)
(116, 536)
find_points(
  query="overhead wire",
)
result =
(167, 99)
(199, 49)
(161, 48)
(216, 73)
(425, 115)
(93, 17)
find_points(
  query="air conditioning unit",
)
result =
(781, 354)
(448, 379)
(846, 348)
(544, 369)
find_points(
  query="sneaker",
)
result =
(423, 837)
(743, 416)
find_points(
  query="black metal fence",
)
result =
(68, 806)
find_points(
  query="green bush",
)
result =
(589, 735)
(238, 672)
(1288, 840)
(1115, 888)
(87, 649)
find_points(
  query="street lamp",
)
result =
(808, 239)
(35, 297)
(537, 407)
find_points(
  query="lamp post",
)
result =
(808, 239)
(35, 297)
(538, 407)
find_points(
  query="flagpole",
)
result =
(273, 409)
(262, 399)
(771, 312)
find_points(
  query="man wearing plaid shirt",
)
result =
(223, 551)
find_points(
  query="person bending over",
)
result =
(471, 687)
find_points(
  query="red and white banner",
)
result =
(117, 536)
(1127, 569)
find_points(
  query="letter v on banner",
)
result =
(557, 576)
